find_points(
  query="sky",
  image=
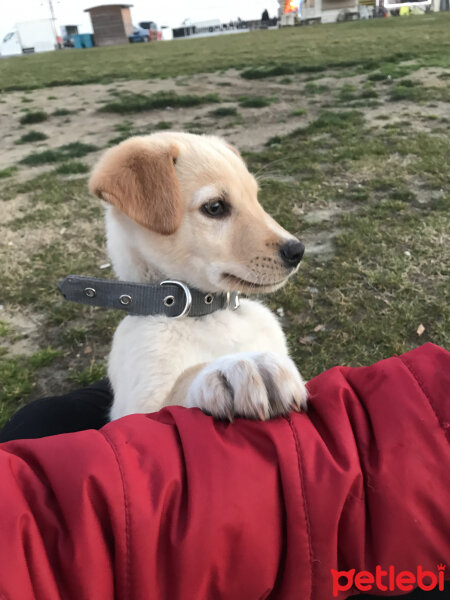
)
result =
(165, 12)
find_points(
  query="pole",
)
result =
(53, 18)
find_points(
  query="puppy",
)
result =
(184, 207)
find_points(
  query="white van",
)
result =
(29, 37)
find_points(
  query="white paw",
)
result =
(256, 385)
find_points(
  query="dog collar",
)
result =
(170, 298)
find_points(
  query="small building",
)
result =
(111, 23)
(294, 12)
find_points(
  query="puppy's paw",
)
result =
(256, 385)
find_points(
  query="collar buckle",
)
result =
(233, 300)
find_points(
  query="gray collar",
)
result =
(171, 298)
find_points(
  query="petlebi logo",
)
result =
(388, 579)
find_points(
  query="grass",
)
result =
(332, 121)
(56, 245)
(8, 172)
(408, 90)
(128, 102)
(299, 112)
(255, 101)
(258, 54)
(264, 71)
(37, 116)
(62, 112)
(72, 168)
(17, 374)
(93, 373)
(32, 136)
(370, 202)
(371, 308)
(161, 126)
(224, 111)
(126, 130)
(368, 297)
(315, 88)
(73, 150)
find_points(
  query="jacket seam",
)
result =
(301, 472)
(127, 515)
(425, 393)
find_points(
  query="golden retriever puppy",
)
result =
(184, 207)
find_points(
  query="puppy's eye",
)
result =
(216, 209)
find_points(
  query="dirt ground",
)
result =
(249, 130)
(249, 133)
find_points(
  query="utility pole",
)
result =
(53, 19)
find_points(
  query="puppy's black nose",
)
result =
(292, 252)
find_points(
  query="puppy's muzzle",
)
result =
(291, 253)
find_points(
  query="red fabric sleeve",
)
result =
(376, 467)
(176, 506)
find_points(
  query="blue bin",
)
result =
(83, 40)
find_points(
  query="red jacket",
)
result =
(177, 506)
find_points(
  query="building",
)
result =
(322, 11)
(111, 23)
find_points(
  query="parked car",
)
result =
(138, 36)
(151, 29)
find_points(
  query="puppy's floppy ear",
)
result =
(138, 177)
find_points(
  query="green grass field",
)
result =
(347, 129)
(351, 44)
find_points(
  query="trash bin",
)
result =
(83, 40)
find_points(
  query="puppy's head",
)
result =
(185, 207)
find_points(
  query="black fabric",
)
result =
(87, 408)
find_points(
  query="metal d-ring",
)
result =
(236, 303)
(188, 295)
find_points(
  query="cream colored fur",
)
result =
(227, 363)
